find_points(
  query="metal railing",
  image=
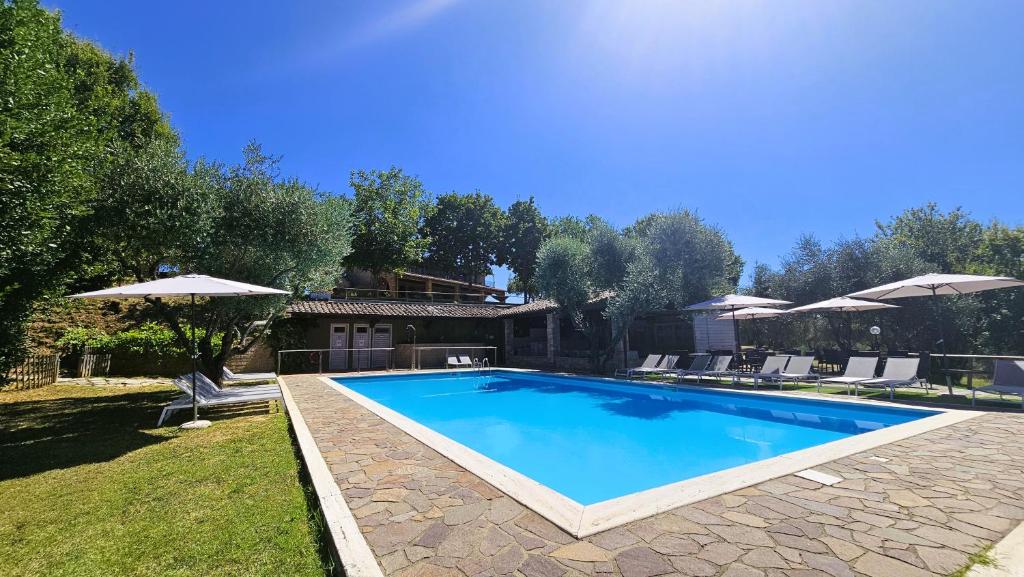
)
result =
(355, 359)
(417, 354)
(411, 296)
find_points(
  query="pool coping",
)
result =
(347, 541)
(585, 520)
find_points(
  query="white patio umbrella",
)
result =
(936, 284)
(751, 313)
(190, 285)
(733, 303)
(842, 305)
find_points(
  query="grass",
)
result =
(982, 558)
(89, 487)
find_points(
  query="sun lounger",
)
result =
(1007, 379)
(651, 362)
(232, 376)
(898, 372)
(667, 365)
(458, 362)
(699, 364)
(780, 368)
(773, 365)
(718, 367)
(857, 369)
(208, 394)
(204, 384)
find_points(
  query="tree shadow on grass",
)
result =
(48, 434)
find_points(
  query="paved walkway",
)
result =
(914, 508)
(116, 381)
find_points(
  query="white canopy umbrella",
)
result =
(843, 305)
(733, 303)
(190, 285)
(935, 284)
(751, 313)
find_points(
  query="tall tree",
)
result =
(662, 259)
(524, 232)
(463, 233)
(240, 222)
(945, 240)
(388, 210)
(65, 105)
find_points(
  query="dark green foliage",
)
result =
(148, 340)
(918, 241)
(65, 106)
(663, 260)
(241, 222)
(464, 233)
(525, 231)
(388, 208)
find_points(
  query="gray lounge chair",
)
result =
(232, 376)
(898, 372)
(798, 369)
(857, 369)
(699, 364)
(718, 367)
(208, 395)
(773, 365)
(1007, 379)
(651, 362)
(667, 365)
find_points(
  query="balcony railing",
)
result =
(409, 296)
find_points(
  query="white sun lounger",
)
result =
(203, 383)
(857, 369)
(796, 369)
(208, 394)
(898, 372)
(458, 362)
(232, 376)
(651, 362)
(1007, 379)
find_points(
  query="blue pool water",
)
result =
(594, 439)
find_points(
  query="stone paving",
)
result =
(913, 508)
(116, 381)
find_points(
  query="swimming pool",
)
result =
(596, 441)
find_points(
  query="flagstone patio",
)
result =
(917, 507)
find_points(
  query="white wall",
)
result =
(712, 334)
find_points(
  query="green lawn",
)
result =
(88, 486)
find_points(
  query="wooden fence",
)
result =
(36, 371)
(94, 365)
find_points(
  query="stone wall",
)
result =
(258, 359)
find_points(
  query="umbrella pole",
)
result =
(195, 405)
(736, 335)
(942, 341)
(195, 423)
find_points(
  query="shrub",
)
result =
(147, 340)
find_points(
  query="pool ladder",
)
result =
(483, 367)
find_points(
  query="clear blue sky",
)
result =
(770, 119)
